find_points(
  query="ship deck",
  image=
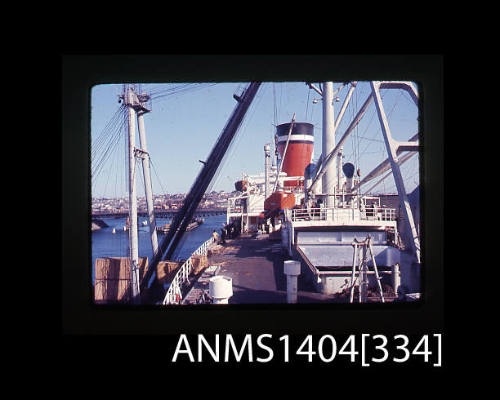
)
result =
(255, 264)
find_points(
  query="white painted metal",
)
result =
(340, 174)
(317, 90)
(292, 271)
(353, 275)
(345, 216)
(284, 152)
(385, 165)
(344, 105)
(362, 280)
(401, 161)
(360, 260)
(174, 293)
(147, 184)
(133, 239)
(328, 143)
(392, 147)
(220, 289)
(396, 278)
(404, 85)
(267, 156)
(330, 157)
(379, 285)
(307, 138)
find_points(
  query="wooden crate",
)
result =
(111, 291)
(112, 278)
(200, 262)
(166, 270)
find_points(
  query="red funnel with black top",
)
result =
(299, 151)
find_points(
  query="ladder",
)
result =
(359, 261)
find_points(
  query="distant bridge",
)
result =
(204, 212)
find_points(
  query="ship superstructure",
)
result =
(346, 242)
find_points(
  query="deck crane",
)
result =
(183, 217)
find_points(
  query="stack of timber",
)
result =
(112, 279)
(166, 270)
(216, 249)
(200, 262)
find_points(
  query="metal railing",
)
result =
(174, 292)
(312, 214)
(333, 214)
(381, 214)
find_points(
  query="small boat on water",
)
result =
(193, 225)
(163, 229)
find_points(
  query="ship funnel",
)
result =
(299, 150)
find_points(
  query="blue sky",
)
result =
(182, 129)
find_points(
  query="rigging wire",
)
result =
(307, 102)
(374, 132)
(106, 134)
(183, 88)
(275, 105)
(157, 176)
(100, 140)
(406, 170)
(234, 145)
(273, 135)
(107, 148)
(104, 144)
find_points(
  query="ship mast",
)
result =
(144, 155)
(328, 143)
(136, 105)
(393, 147)
(128, 96)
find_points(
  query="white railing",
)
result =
(381, 214)
(332, 214)
(312, 214)
(174, 292)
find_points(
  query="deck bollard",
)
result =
(396, 278)
(292, 271)
(220, 289)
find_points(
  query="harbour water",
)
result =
(105, 243)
